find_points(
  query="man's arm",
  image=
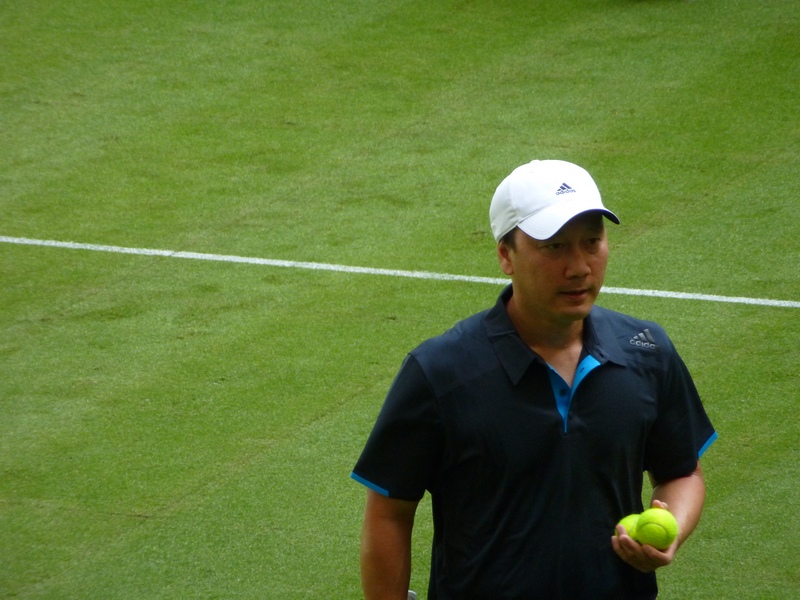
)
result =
(386, 547)
(684, 497)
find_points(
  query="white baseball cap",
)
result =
(541, 196)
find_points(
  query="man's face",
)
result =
(556, 281)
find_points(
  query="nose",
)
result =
(577, 263)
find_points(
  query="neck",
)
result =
(543, 334)
(558, 343)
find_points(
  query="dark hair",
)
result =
(510, 238)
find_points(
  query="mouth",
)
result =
(581, 294)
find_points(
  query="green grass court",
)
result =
(176, 428)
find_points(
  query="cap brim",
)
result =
(547, 222)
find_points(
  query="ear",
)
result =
(504, 256)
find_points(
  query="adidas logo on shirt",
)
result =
(564, 189)
(644, 340)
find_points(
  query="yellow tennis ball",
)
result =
(657, 527)
(629, 523)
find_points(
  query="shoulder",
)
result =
(468, 331)
(630, 335)
(619, 320)
(457, 354)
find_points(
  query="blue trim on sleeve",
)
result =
(369, 484)
(710, 441)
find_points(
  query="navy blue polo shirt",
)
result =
(528, 476)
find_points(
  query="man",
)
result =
(531, 424)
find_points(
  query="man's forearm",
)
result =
(685, 497)
(386, 548)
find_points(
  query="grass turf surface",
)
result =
(179, 429)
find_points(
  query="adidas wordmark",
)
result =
(644, 340)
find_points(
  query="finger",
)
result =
(658, 557)
(615, 545)
(624, 546)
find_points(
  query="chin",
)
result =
(578, 313)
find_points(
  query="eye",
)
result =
(593, 244)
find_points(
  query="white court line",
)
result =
(370, 271)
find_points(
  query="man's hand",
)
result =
(642, 557)
(686, 495)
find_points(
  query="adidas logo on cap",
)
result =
(564, 189)
(644, 340)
